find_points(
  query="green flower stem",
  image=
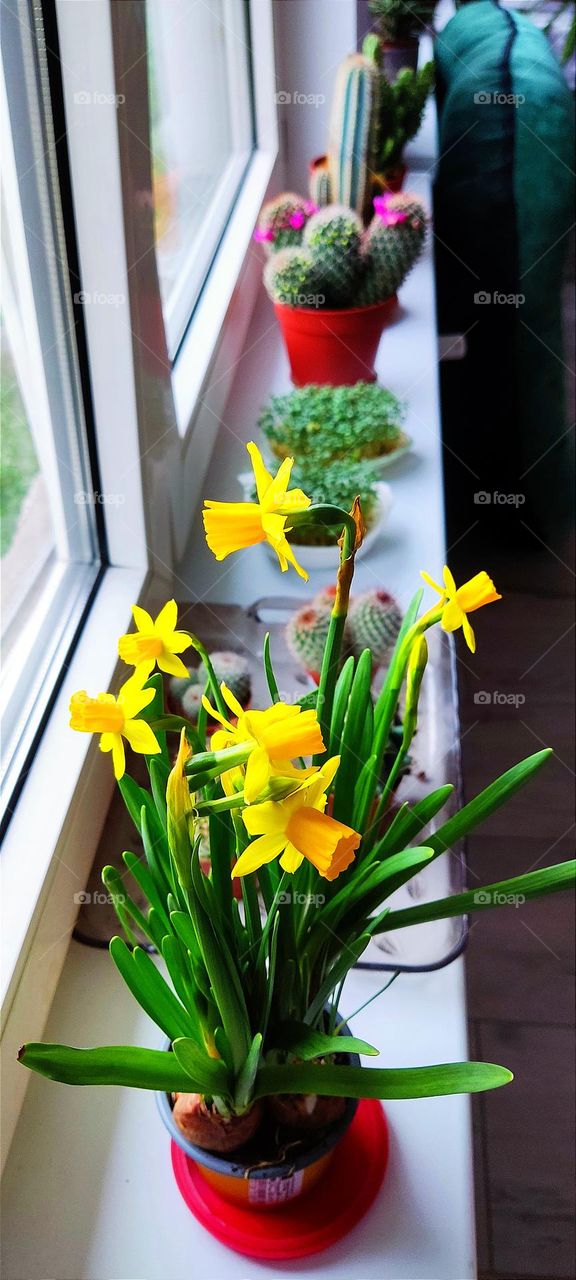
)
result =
(351, 525)
(217, 762)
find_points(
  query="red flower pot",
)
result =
(333, 348)
(392, 180)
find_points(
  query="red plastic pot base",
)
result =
(312, 1222)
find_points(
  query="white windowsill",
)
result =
(50, 844)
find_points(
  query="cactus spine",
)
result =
(390, 246)
(352, 139)
(282, 221)
(333, 237)
(291, 277)
(306, 634)
(374, 623)
(319, 186)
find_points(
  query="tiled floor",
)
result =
(520, 961)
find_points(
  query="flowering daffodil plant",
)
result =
(295, 801)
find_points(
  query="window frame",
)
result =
(155, 429)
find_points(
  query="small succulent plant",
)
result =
(326, 423)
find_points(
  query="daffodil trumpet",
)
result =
(285, 800)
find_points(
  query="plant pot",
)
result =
(328, 558)
(333, 348)
(396, 55)
(392, 180)
(254, 1176)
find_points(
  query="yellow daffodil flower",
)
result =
(155, 641)
(457, 602)
(298, 828)
(273, 739)
(231, 526)
(115, 719)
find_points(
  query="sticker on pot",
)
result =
(275, 1190)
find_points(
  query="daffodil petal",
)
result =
(142, 619)
(262, 476)
(118, 757)
(291, 859)
(452, 616)
(449, 582)
(215, 715)
(432, 583)
(179, 641)
(167, 618)
(171, 664)
(141, 737)
(267, 818)
(265, 849)
(132, 697)
(469, 636)
(257, 774)
(230, 700)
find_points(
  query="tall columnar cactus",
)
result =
(374, 622)
(292, 277)
(334, 237)
(353, 132)
(319, 185)
(282, 221)
(390, 246)
(306, 633)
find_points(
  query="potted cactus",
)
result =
(334, 290)
(399, 24)
(374, 622)
(257, 1074)
(401, 108)
(324, 424)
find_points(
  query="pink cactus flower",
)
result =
(390, 217)
(264, 235)
(297, 219)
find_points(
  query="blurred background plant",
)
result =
(323, 423)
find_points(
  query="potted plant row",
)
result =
(255, 1068)
(333, 282)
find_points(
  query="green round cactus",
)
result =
(390, 246)
(333, 237)
(306, 633)
(374, 622)
(186, 692)
(282, 221)
(292, 278)
(234, 670)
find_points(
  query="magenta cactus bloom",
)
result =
(263, 235)
(390, 217)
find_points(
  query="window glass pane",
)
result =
(27, 539)
(201, 139)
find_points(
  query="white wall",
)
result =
(311, 38)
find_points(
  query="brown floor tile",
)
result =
(529, 1131)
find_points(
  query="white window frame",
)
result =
(157, 462)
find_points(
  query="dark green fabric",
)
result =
(503, 209)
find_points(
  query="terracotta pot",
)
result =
(333, 348)
(396, 55)
(392, 180)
